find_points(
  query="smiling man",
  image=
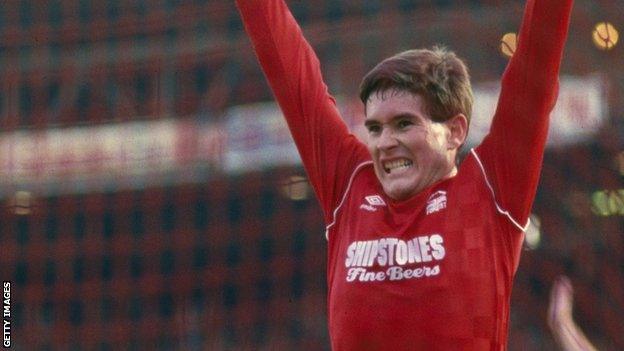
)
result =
(421, 251)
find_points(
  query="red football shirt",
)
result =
(435, 271)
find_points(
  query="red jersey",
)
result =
(434, 271)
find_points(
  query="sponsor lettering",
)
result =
(395, 254)
(392, 251)
(392, 273)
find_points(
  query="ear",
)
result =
(458, 131)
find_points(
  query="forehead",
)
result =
(384, 105)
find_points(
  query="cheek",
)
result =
(369, 144)
(441, 136)
(427, 152)
(419, 146)
(435, 142)
(371, 150)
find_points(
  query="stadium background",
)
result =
(150, 202)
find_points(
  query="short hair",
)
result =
(436, 74)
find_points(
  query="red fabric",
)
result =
(460, 249)
(329, 153)
(513, 151)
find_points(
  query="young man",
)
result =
(421, 253)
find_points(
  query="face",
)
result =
(409, 150)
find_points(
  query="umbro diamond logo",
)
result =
(374, 201)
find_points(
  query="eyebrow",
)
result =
(408, 115)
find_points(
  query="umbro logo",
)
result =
(436, 202)
(373, 201)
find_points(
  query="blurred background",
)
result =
(152, 197)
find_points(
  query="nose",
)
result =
(387, 140)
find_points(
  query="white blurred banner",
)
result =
(108, 157)
(580, 111)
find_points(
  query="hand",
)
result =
(560, 320)
(561, 300)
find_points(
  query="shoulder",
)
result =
(471, 167)
(473, 180)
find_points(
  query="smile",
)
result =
(396, 164)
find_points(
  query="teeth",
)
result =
(389, 166)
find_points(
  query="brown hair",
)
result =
(436, 74)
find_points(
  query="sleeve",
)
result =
(511, 154)
(328, 151)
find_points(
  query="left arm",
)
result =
(512, 153)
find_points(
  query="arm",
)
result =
(512, 152)
(327, 149)
(567, 334)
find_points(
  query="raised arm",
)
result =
(560, 320)
(512, 152)
(328, 151)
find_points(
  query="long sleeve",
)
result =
(512, 153)
(329, 153)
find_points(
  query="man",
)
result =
(421, 253)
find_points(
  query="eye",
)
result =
(404, 123)
(373, 128)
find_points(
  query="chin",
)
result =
(399, 192)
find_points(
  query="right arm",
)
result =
(329, 153)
